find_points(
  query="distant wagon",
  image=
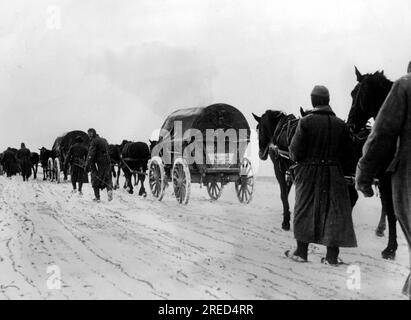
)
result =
(219, 134)
(55, 157)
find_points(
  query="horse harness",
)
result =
(123, 160)
(273, 142)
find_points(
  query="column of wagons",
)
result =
(216, 169)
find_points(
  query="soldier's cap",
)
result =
(320, 91)
(92, 130)
(79, 139)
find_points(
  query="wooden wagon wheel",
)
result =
(181, 180)
(244, 185)
(49, 172)
(214, 189)
(56, 169)
(156, 177)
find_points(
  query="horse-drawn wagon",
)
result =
(202, 145)
(53, 160)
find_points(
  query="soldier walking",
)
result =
(23, 156)
(98, 162)
(392, 131)
(76, 157)
(323, 209)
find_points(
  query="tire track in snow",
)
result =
(203, 250)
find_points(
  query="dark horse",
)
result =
(10, 163)
(135, 156)
(115, 159)
(368, 96)
(275, 131)
(34, 159)
(45, 154)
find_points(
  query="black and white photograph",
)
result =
(224, 151)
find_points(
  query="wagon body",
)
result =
(205, 145)
(221, 151)
(63, 143)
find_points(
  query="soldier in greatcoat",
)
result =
(98, 161)
(24, 158)
(392, 131)
(321, 147)
(76, 158)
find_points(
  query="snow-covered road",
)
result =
(144, 249)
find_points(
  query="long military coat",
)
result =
(98, 159)
(321, 147)
(23, 155)
(392, 131)
(76, 157)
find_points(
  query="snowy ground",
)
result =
(144, 249)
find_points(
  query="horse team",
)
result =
(275, 130)
(10, 164)
(130, 157)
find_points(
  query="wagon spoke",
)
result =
(157, 189)
(182, 192)
(245, 195)
(248, 192)
(245, 182)
(155, 177)
(181, 180)
(214, 191)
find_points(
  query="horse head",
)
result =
(266, 125)
(45, 154)
(114, 152)
(153, 143)
(368, 96)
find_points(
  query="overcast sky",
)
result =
(123, 66)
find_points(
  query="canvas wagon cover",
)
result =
(216, 116)
(63, 143)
